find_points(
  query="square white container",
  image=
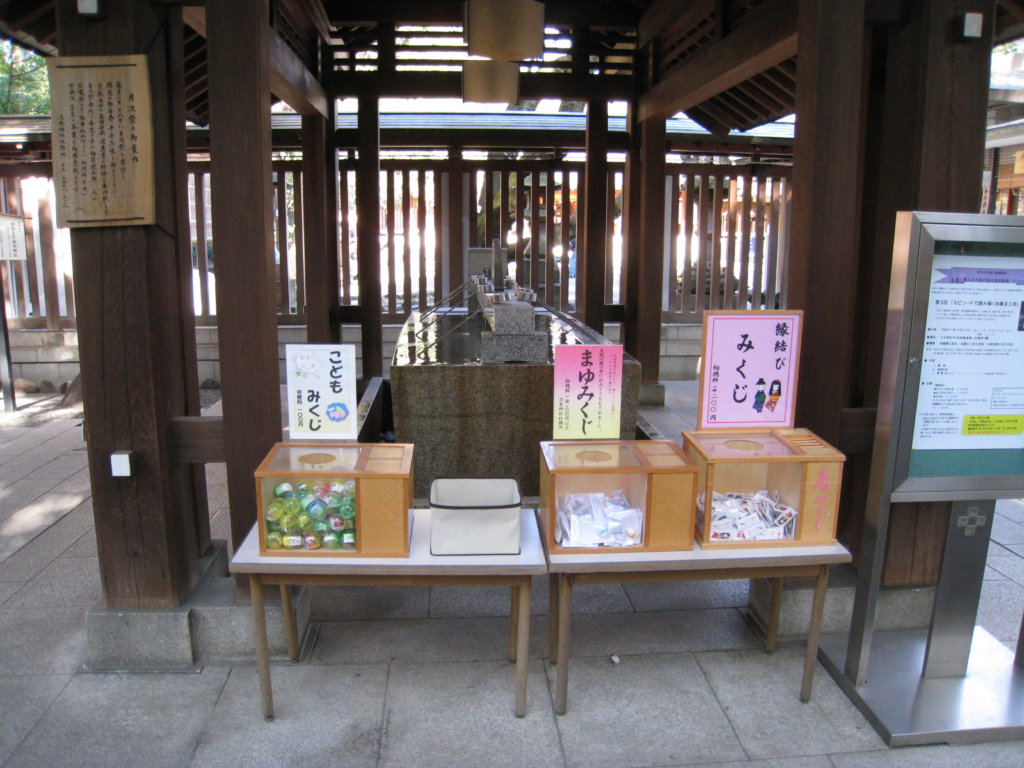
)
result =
(475, 516)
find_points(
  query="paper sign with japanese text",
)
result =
(588, 391)
(102, 140)
(322, 401)
(749, 369)
(12, 238)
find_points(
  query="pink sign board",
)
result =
(749, 369)
(588, 391)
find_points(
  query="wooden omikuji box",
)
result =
(349, 500)
(803, 470)
(653, 475)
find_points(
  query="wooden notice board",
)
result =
(102, 140)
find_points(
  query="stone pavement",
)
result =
(416, 677)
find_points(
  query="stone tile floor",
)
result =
(415, 677)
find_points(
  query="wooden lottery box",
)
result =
(345, 500)
(800, 474)
(591, 491)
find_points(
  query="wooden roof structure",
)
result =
(890, 103)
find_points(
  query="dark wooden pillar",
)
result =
(131, 287)
(593, 235)
(240, 190)
(632, 222)
(645, 337)
(368, 202)
(929, 128)
(319, 227)
(825, 236)
(456, 246)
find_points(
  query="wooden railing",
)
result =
(726, 237)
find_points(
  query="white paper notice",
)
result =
(971, 394)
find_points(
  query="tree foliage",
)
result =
(24, 88)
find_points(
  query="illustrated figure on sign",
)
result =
(774, 393)
(759, 396)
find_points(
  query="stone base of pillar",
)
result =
(214, 625)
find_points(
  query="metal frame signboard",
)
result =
(961, 425)
(950, 428)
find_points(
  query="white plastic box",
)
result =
(475, 516)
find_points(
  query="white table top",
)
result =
(698, 559)
(420, 562)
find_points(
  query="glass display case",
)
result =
(616, 495)
(345, 500)
(765, 487)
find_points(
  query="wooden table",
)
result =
(776, 563)
(419, 569)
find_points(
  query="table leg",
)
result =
(290, 631)
(771, 639)
(553, 618)
(814, 633)
(522, 657)
(513, 620)
(564, 616)
(259, 625)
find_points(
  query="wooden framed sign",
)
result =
(749, 369)
(12, 238)
(102, 138)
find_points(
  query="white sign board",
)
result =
(322, 401)
(972, 367)
(12, 238)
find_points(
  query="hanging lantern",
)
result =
(505, 30)
(492, 82)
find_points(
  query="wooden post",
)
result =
(131, 287)
(593, 235)
(455, 219)
(632, 224)
(824, 244)
(240, 191)
(647, 333)
(929, 128)
(319, 230)
(368, 202)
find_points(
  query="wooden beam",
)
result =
(449, 84)
(240, 191)
(665, 18)
(649, 271)
(291, 82)
(558, 12)
(198, 440)
(766, 37)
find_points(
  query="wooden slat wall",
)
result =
(745, 214)
(728, 241)
(35, 289)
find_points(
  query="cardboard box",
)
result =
(345, 500)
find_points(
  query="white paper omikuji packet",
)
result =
(756, 516)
